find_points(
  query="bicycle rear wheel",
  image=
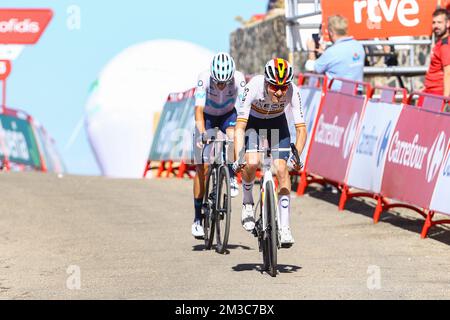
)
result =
(208, 209)
(272, 230)
(224, 210)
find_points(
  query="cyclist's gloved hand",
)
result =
(293, 165)
(201, 140)
(205, 138)
(238, 166)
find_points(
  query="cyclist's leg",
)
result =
(280, 139)
(252, 160)
(201, 157)
(227, 127)
(248, 178)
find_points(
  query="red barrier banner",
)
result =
(383, 18)
(335, 137)
(415, 156)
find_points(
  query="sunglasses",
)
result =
(275, 88)
(220, 83)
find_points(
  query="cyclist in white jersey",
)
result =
(266, 99)
(218, 93)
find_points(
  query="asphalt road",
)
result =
(95, 238)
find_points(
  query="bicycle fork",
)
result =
(261, 228)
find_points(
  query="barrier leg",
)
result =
(147, 168)
(303, 184)
(182, 170)
(344, 198)
(428, 225)
(162, 168)
(379, 210)
(170, 169)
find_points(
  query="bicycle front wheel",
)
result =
(208, 209)
(272, 229)
(223, 210)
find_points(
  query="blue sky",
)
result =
(51, 79)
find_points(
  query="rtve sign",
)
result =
(23, 26)
(383, 18)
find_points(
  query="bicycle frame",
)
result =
(218, 162)
(266, 179)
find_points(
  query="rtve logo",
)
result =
(377, 11)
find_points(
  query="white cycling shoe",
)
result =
(287, 240)
(197, 231)
(248, 217)
(234, 187)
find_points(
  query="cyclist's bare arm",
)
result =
(299, 120)
(200, 119)
(302, 135)
(239, 137)
(242, 119)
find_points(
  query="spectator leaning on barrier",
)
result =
(437, 79)
(344, 59)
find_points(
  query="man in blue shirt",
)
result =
(344, 59)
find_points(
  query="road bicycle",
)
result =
(216, 207)
(267, 227)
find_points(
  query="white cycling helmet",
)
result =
(222, 67)
(279, 72)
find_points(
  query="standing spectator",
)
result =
(344, 59)
(437, 79)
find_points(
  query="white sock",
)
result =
(247, 188)
(284, 205)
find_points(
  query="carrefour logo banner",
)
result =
(440, 201)
(415, 156)
(18, 142)
(377, 128)
(336, 135)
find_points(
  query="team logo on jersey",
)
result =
(243, 84)
(200, 83)
(244, 97)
